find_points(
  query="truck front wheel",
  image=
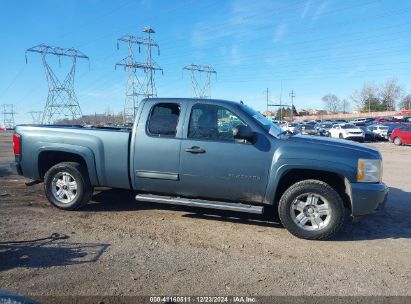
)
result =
(67, 186)
(311, 209)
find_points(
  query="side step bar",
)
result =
(199, 203)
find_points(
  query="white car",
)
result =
(347, 131)
(381, 130)
(289, 126)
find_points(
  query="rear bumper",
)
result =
(367, 198)
(16, 168)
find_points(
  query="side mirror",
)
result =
(244, 132)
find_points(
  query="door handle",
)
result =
(195, 149)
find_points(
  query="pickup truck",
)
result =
(211, 154)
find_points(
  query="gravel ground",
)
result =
(117, 246)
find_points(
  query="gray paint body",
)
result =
(228, 171)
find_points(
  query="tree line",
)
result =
(371, 98)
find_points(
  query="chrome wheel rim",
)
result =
(311, 212)
(64, 187)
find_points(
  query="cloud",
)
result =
(319, 12)
(280, 31)
(306, 8)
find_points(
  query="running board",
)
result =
(199, 203)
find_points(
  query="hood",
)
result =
(327, 144)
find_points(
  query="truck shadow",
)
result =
(4, 171)
(392, 223)
(35, 254)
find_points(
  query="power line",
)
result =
(201, 84)
(138, 87)
(8, 112)
(61, 100)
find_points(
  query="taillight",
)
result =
(17, 145)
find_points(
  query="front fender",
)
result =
(282, 166)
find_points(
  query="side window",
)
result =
(212, 123)
(163, 119)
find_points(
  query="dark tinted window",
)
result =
(212, 122)
(163, 119)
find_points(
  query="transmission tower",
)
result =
(138, 87)
(61, 99)
(36, 116)
(201, 79)
(8, 115)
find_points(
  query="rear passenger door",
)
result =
(156, 153)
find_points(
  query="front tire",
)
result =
(397, 141)
(312, 210)
(67, 186)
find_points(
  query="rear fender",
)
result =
(86, 153)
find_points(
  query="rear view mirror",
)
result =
(244, 132)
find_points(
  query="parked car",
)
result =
(177, 154)
(369, 135)
(323, 129)
(401, 136)
(305, 129)
(381, 130)
(388, 119)
(289, 126)
(347, 131)
(394, 125)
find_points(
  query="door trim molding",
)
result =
(157, 175)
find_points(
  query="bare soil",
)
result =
(117, 246)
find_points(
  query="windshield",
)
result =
(348, 126)
(268, 125)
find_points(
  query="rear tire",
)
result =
(67, 186)
(397, 141)
(312, 210)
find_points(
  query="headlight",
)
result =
(369, 170)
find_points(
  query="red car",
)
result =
(401, 136)
(391, 119)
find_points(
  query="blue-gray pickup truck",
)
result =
(211, 154)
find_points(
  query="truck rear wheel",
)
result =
(311, 209)
(67, 186)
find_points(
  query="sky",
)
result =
(313, 47)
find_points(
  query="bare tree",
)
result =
(331, 102)
(390, 94)
(405, 103)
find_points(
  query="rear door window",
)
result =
(164, 119)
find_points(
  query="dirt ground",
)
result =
(117, 246)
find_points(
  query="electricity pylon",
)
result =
(7, 110)
(36, 116)
(200, 79)
(143, 86)
(61, 101)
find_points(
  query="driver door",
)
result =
(213, 165)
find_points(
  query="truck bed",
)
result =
(105, 151)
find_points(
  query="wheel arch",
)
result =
(48, 157)
(337, 180)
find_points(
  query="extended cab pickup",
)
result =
(211, 154)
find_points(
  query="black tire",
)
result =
(340, 136)
(397, 141)
(76, 173)
(334, 204)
